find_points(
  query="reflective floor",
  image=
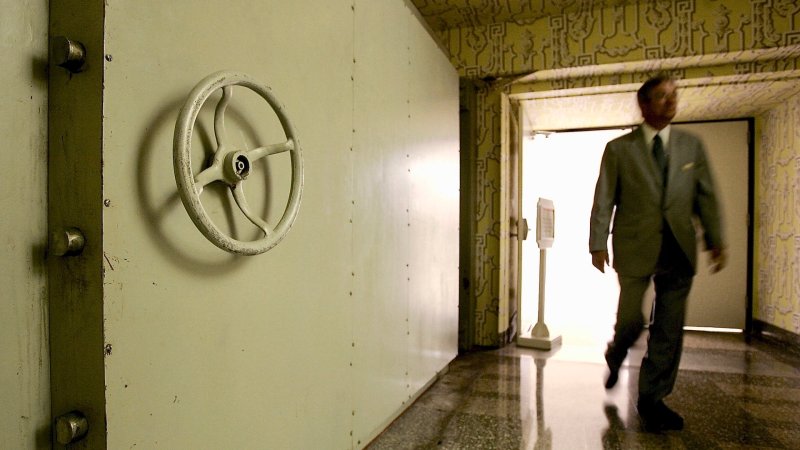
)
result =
(732, 394)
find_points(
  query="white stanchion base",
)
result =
(539, 343)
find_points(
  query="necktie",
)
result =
(661, 158)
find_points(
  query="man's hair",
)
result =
(643, 95)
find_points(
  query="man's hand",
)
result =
(719, 259)
(600, 260)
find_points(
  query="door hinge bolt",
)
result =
(68, 54)
(71, 427)
(67, 242)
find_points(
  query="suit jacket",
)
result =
(630, 189)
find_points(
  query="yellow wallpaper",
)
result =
(778, 211)
(487, 212)
(524, 39)
(582, 33)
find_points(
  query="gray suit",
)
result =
(654, 237)
(630, 181)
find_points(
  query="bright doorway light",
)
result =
(580, 302)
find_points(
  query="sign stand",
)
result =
(539, 338)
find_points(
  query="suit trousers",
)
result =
(672, 278)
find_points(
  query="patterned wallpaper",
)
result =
(506, 37)
(778, 212)
(449, 14)
(487, 218)
(497, 41)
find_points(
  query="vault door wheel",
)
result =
(231, 165)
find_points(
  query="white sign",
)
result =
(545, 223)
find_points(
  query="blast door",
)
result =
(162, 334)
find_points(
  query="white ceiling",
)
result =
(696, 103)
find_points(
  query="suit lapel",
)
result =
(674, 162)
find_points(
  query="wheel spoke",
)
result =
(260, 152)
(238, 194)
(219, 116)
(230, 163)
(210, 175)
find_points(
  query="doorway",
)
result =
(580, 301)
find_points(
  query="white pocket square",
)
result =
(687, 166)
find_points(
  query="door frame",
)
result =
(750, 255)
(512, 225)
(75, 273)
(511, 178)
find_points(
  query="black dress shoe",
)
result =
(613, 374)
(659, 417)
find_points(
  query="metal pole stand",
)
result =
(540, 338)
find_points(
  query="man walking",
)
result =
(653, 182)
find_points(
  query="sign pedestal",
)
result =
(539, 336)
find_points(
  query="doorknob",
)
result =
(232, 165)
(521, 229)
(525, 229)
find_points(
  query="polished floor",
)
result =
(733, 394)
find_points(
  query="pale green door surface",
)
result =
(321, 341)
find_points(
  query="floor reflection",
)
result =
(733, 394)
(539, 436)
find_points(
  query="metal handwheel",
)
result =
(232, 165)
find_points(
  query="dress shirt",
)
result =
(650, 134)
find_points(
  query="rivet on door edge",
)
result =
(71, 427)
(68, 54)
(67, 242)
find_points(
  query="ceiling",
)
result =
(695, 103)
(447, 14)
(708, 99)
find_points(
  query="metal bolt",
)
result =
(67, 242)
(107, 202)
(71, 427)
(68, 54)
